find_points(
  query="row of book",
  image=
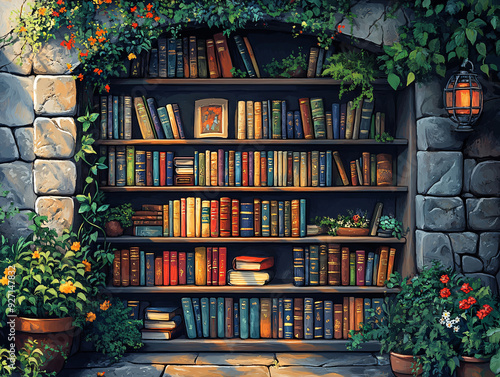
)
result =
(192, 57)
(276, 318)
(329, 264)
(271, 120)
(128, 167)
(225, 217)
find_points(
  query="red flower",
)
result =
(80, 76)
(471, 301)
(445, 292)
(464, 304)
(481, 313)
(356, 218)
(69, 26)
(82, 54)
(157, 18)
(466, 288)
(149, 6)
(133, 9)
(134, 25)
(107, 88)
(488, 309)
(60, 2)
(98, 71)
(55, 14)
(149, 15)
(444, 279)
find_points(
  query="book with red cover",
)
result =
(263, 170)
(166, 268)
(134, 266)
(354, 174)
(214, 218)
(249, 263)
(225, 217)
(125, 268)
(163, 168)
(220, 167)
(159, 271)
(337, 321)
(223, 54)
(244, 169)
(182, 268)
(366, 168)
(345, 318)
(228, 309)
(185, 56)
(289, 175)
(209, 266)
(117, 269)
(298, 318)
(174, 274)
(344, 266)
(333, 264)
(360, 267)
(222, 265)
(352, 314)
(149, 168)
(305, 113)
(235, 217)
(213, 67)
(183, 217)
(215, 266)
(257, 219)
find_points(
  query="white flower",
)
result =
(442, 321)
(456, 320)
(449, 325)
(446, 314)
(456, 328)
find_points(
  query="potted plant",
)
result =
(389, 226)
(116, 219)
(291, 66)
(354, 224)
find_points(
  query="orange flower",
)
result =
(101, 39)
(105, 305)
(76, 246)
(67, 287)
(107, 1)
(4, 280)
(69, 67)
(80, 76)
(131, 56)
(149, 15)
(88, 266)
(98, 71)
(60, 2)
(157, 18)
(149, 6)
(107, 88)
(92, 40)
(445, 292)
(42, 11)
(8, 269)
(134, 25)
(133, 9)
(100, 374)
(69, 26)
(90, 317)
(444, 279)
(23, 29)
(36, 255)
(356, 218)
(62, 10)
(100, 32)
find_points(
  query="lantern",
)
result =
(463, 98)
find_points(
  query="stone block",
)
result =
(367, 23)
(9, 6)
(390, 27)
(160, 358)
(484, 142)
(331, 359)
(24, 138)
(8, 147)
(485, 179)
(55, 95)
(489, 251)
(439, 173)
(16, 100)
(469, 165)
(374, 371)
(483, 214)
(55, 138)
(215, 371)
(433, 246)
(471, 264)
(218, 358)
(487, 280)
(440, 214)
(429, 103)
(14, 60)
(16, 177)
(464, 243)
(435, 134)
(117, 370)
(59, 211)
(16, 226)
(54, 177)
(52, 59)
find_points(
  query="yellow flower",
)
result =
(90, 317)
(105, 305)
(42, 11)
(76, 245)
(67, 287)
(6, 271)
(4, 280)
(35, 255)
(69, 66)
(304, 23)
(88, 266)
(131, 56)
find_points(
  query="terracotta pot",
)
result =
(113, 228)
(352, 232)
(57, 333)
(299, 72)
(472, 367)
(401, 365)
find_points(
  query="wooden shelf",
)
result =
(252, 345)
(252, 189)
(133, 240)
(263, 289)
(251, 142)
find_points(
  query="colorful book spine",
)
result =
(254, 318)
(318, 118)
(221, 317)
(288, 318)
(244, 325)
(360, 267)
(246, 220)
(121, 166)
(298, 318)
(302, 221)
(308, 318)
(150, 269)
(222, 265)
(328, 320)
(318, 319)
(276, 119)
(236, 320)
(298, 267)
(283, 119)
(189, 317)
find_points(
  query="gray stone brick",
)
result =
(485, 179)
(16, 100)
(471, 264)
(435, 134)
(440, 214)
(439, 173)
(17, 178)
(230, 358)
(469, 165)
(24, 138)
(433, 246)
(215, 371)
(483, 214)
(464, 243)
(8, 147)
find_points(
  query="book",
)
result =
(189, 317)
(319, 65)
(274, 318)
(318, 118)
(360, 267)
(179, 66)
(117, 269)
(281, 317)
(213, 67)
(163, 324)
(121, 166)
(314, 265)
(308, 318)
(103, 130)
(202, 58)
(193, 57)
(369, 268)
(235, 217)
(224, 57)
(249, 263)
(318, 319)
(382, 266)
(378, 313)
(158, 271)
(349, 123)
(229, 322)
(337, 321)
(212, 310)
(205, 316)
(359, 172)
(124, 267)
(156, 119)
(298, 267)
(276, 120)
(174, 268)
(258, 131)
(243, 311)
(323, 264)
(162, 57)
(245, 56)
(377, 213)
(162, 313)
(313, 61)
(334, 257)
(185, 57)
(283, 119)
(390, 263)
(249, 277)
(352, 268)
(166, 267)
(302, 220)
(143, 119)
(214, 218)
(357, 120)
(366, 168)
(359, 304)
(221, 317)
(225, 217)
(306, 117)
(200, 266)
(222, 265)
(298, 318)
(165, 122)
(254, 318)
(384, 169)
(246, 220)
(344, 266)
(366, 117)
(160, 334)
(265, 318)
(288, 319)
(345, 317)
(252, 56)
(340, 168)
(376, 258)
(177, 115)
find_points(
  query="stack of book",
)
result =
(150, 215)
(204, 266)
(184, 171)
(249, 270)
(277, 318)
(162, 323)
(331, 264)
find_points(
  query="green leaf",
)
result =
(426, 3)
(93, 117)
(410, 78)
(81, 119)
(481, 48)
(495, 363)
(439, 8)
(471, 35)
(393, 80)
(486, 69)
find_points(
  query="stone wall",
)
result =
(458, 186)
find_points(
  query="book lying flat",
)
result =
(167, 313)
(247, 263)
(163, 325)
(161, 334)
(249, 277)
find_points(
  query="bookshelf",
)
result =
(398, 198)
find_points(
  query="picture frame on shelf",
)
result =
(211, 118)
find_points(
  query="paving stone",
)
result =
(432, 246)
(439, 173)
(8, 147)
(17, 178)
(117, 370)
(88, 360)
(55, 138)
(485, 179)
(215, 371)
(16, 100)
(24, 139)
(429, 103)
(59, 211)
(464, 243)
(55, 95)
(160, 358)
(469, 165)
(383, 359)
(435, 133)
(485, 140)
(440, 214)
(489, 251)
(471, 264)
(229, 358)
(54, 177)
(375, 371)
(317, 359)
(52, 58)
(483, 214)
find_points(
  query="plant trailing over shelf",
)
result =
(238, 73)
(356, 219)
(384, 138)
(291, 66)
(390, 223)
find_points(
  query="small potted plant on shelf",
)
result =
(389, 226)
(116, 219)
(291, 66)
(353, 224)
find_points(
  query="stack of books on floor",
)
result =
(249, 270)
(162, 323)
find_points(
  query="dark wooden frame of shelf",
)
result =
(252, 142)
(254, 189)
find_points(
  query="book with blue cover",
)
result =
(196, 168)
(265, 120)
(156, 168)
(142, 268)
(328, 167)
(298, 267)
(189, 320)
(322, 169)
(307, 266)
(283, 120)
(246, 220)
(244, 328)
(318, 319)
(270, 168)
(369, 268)
(190, 268)
(220, 317)
(288, 318)
(254, 320)
(314, 265)
(281, 219)
(336, 120)
(237, 169)
(236, 320)
(328, 320)
(205, 316)
(308, 318)
(197, 316)
(170, 169)
(302, 222)
(266, 218)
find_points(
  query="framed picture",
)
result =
(210, 118)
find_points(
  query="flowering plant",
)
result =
(356, 219)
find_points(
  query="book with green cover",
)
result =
(318, 118)
(165, 122)
(187, 308)
(244, 330)
(202, 168)
(130, 156)
(276, 119)
(220, 317)
(314, 265)
(352, 268)
(254, 321)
